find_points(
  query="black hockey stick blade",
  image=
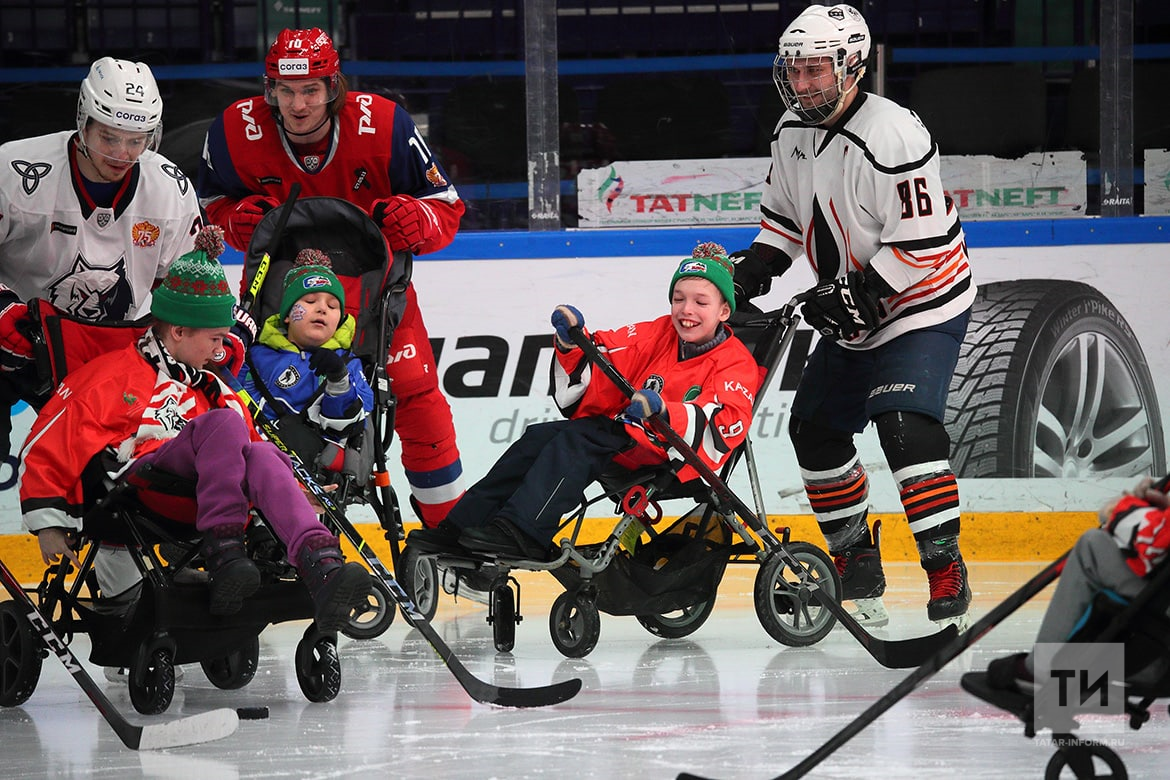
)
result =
(928, 669)
(481, 691)
(893, 654)
(192, 730)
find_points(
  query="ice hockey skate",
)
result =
(863, 581)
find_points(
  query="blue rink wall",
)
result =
(487, 297)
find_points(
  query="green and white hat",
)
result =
(312, 272)
(708, 261)
(195, 292)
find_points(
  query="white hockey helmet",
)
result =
(838, 32)
(122, 95)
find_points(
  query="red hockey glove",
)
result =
(231, 357)
(15, 348)
(242, 221)
(407, 222)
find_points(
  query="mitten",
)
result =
(563, 318)
(644, 403)
(242, 221)
(407, 222)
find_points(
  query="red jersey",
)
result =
(708, 398)
(375, 151)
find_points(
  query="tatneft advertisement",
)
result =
(728, 191)
(1058, 403)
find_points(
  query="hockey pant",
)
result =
(422, 422)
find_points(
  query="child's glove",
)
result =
(242, 221)
(563, 318)
(643, 404)
(328, 365)
(407, 222)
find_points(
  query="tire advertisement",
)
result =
(1058, 402)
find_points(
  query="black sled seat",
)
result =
(164, 620)
(667, 577)
(375, 281)
(1142, 625)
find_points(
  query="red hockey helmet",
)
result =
(302, 54)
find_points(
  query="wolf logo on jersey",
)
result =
(93, 293)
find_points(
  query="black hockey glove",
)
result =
(328, 365)
(752, 277)
(843, 307)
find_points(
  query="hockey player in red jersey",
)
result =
(310, 129)
(854, 186)
(692, 371)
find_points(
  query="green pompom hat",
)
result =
(311, 272)
(195, 292)
(708, 261)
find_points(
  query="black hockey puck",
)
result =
(252, 713)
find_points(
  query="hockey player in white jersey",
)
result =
(854, 186)
(90, 219)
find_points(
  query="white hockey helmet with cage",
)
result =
(122, 95)
(838, 32)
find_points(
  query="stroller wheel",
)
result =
(420, 579)
(575, 624)
(787, 609)
(1084, 758)
(236, 669)
(681, 622)
(20, 656)
(503, 618)
(318, 667)
(371, 619)
(152, 677)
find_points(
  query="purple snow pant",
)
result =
(232, 472)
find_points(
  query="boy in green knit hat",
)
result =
(301, 364)
(154, 402)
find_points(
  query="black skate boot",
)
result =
(337, 587)
(862, 580)
(233, 576)
(950, 595)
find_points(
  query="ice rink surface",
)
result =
(726, 702)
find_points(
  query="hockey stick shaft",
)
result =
(286, 208)
(894, 654)
(204, 727)
(478, 689)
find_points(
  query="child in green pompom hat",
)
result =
(301, 365)
(154, 402)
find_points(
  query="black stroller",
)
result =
(1142, 625)
(164, 620)
(668, 578)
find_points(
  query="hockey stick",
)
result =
(1005, 608)
(476, 688)
(204, 727)
(893, 654)
(924, 672)
(286, 208)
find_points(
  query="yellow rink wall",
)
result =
(986, 536)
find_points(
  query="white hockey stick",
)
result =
(204, 727)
